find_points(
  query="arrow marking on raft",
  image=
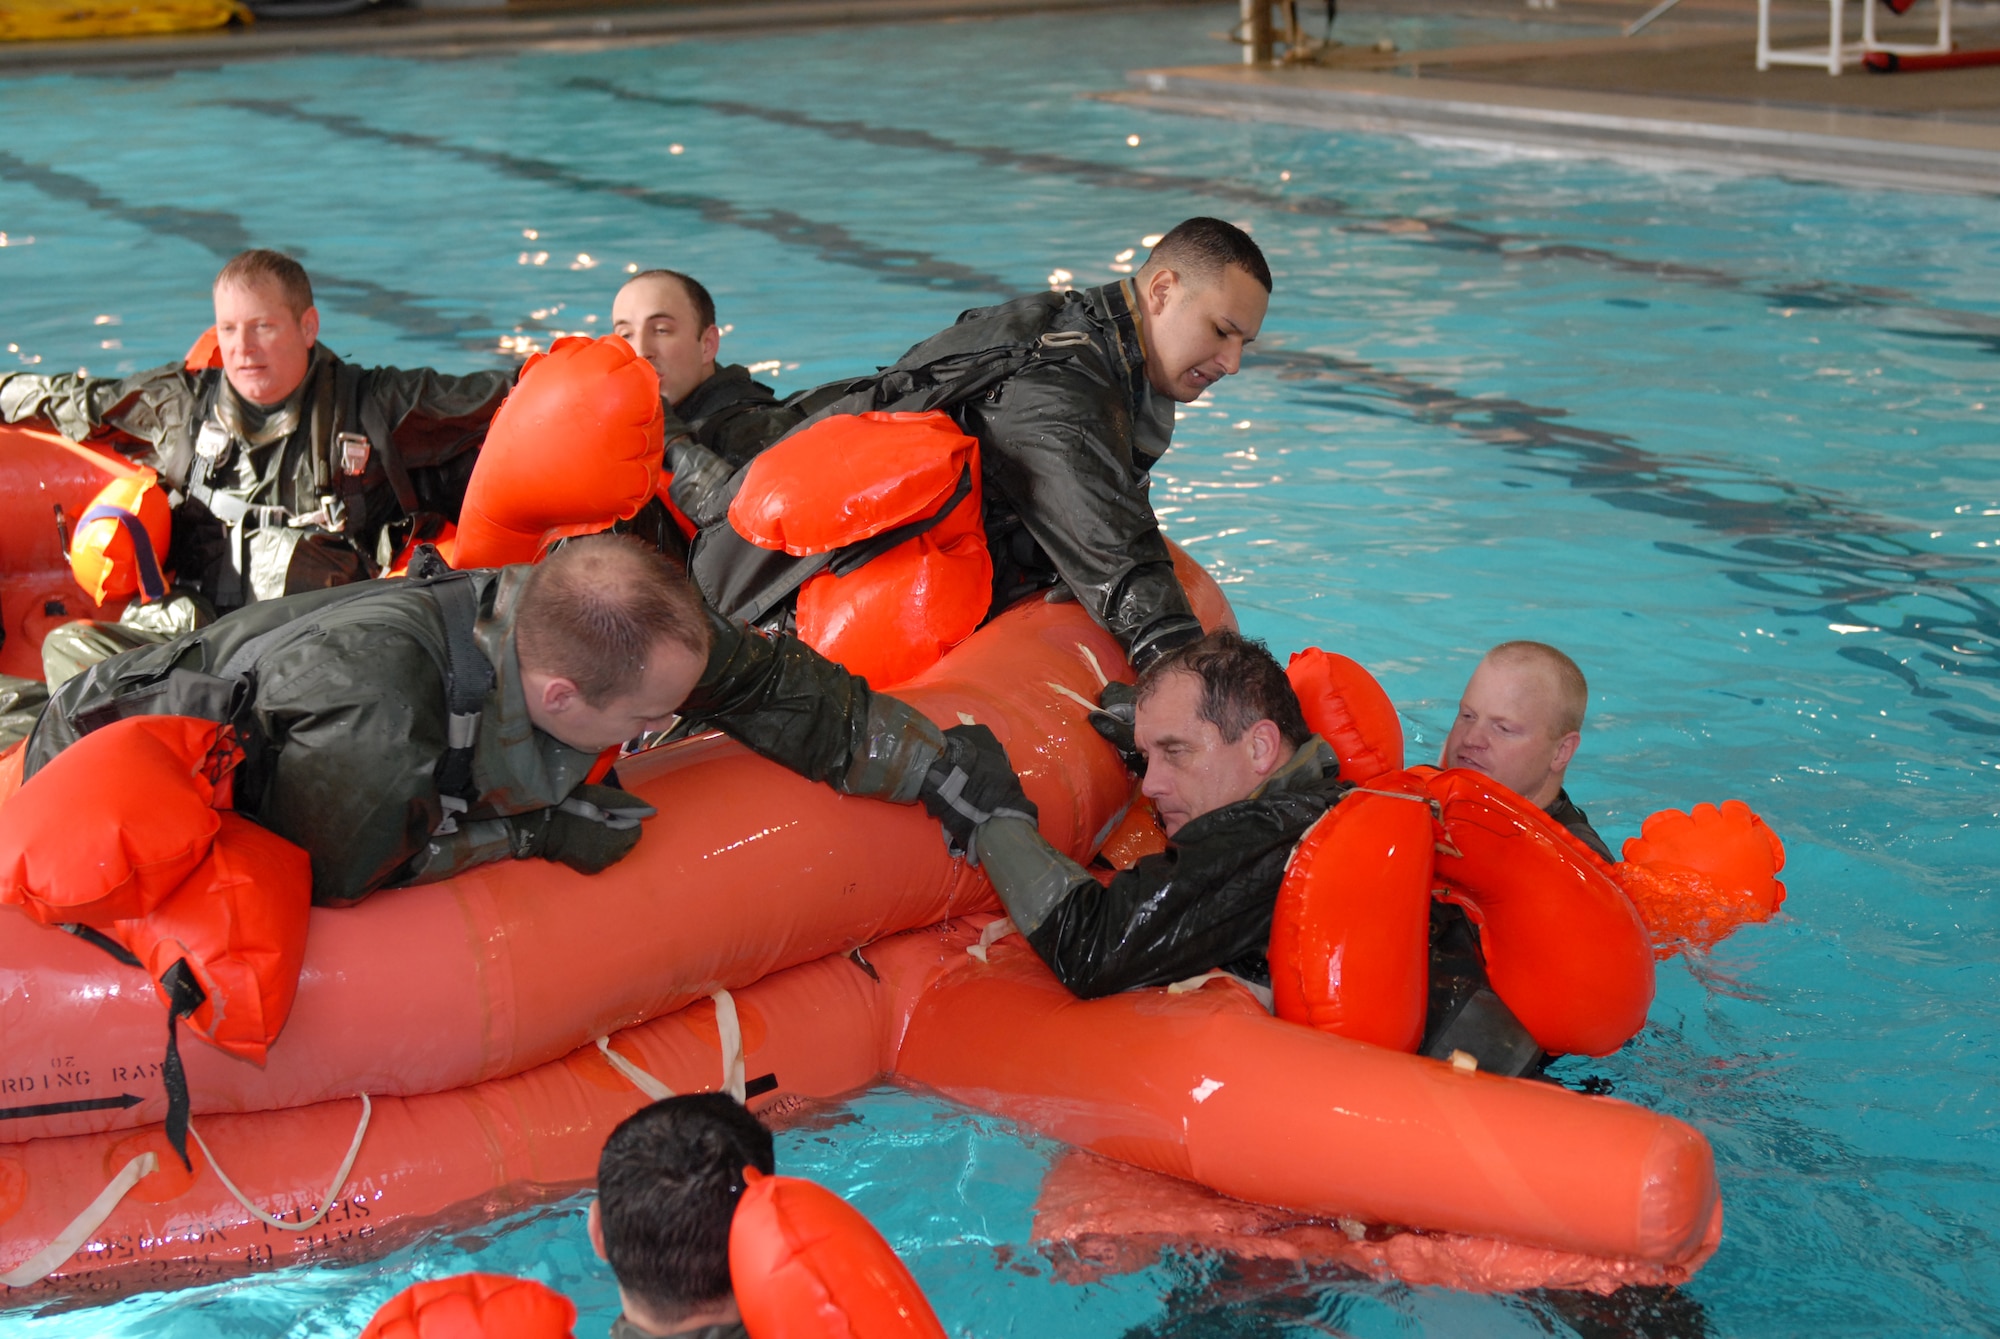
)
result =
(66, 1108)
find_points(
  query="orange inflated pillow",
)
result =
(116, 821)
(1345, 706)
(804, 1264)
(474, 1306)
(240, 921)
(576, 445)
(119, 543)
(850, 477)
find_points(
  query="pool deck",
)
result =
(1689, 95)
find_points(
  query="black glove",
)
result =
(592, 830)
(1116, 717)
(971, 782)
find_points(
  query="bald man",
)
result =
(1520, 720)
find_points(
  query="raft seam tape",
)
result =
(50, 1258)
(326, 1201)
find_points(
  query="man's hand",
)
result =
(590, 831)
(1116, 718)
(972, 782)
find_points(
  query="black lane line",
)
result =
(830, 242)
(1445, 233)
(68, 1108)
(223, 235)
(1807, 553)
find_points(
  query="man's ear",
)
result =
(309, 325)
(1267, 747)
(711, 344)
(1158, 290)
(557, 694)
(1565, 750)
(595, 1226)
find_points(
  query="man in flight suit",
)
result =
(288, 469)
(401, 731)
(1072, 397)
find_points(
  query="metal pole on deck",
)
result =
(1257, 32)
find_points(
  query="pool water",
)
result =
(1729, 441)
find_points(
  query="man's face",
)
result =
(557, 709)
(1190, 768)
(266, 347)
(1196, 332)
(1509, 728)
(657, 318)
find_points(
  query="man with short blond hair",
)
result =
(288, 469)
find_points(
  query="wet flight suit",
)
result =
(1054, 387)
(319, 490)
(345, 702)
(1207, 902)
(732, 416)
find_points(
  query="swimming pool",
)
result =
(1729, 441)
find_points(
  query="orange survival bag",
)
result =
(123, 840)
(575, 447)
(475, 1306)
(116, 548)
(892, 502)
(805, 1264)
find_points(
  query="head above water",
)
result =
(610, 639)
(1520, 719)
(667, 1185)
(669, 320)
(1215, 719)
(265, 324)
(1202, 296)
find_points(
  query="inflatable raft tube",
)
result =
(1513, 1183)
(40, 472)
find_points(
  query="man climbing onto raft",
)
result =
(1237, 778)
(1071, 398)
(403, 731)
(669, 320)
(288, 469)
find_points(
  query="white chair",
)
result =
(1838, 51)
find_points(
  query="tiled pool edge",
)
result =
(1848, 148)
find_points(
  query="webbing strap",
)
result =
(65, 1243)
(468, 678)
(851, 556)
(327, 1200)
(150, 580)
(91, 935)
(184, 996)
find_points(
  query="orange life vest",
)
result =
(116, 548)
(1696, 877)
(575, 447)
(895, 498)
(805, 1264)
(475, 1306)
(1345, 706)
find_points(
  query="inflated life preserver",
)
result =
(575, 447)
(895, 498)
(805, 1264)
(1564, 948)
(1345, 706)
(204, 353)
(475, 1306)
(116, 548)
(1696, 877)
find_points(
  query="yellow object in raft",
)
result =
(30, 20)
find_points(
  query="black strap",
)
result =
(851, 556)
(184, 996)
(150, 580)
(468, 678)
(91, 935)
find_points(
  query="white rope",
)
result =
(640, 1079)
(1090, 659)
(1072, 695)
(729, 1031)
(994, 931)
(46, 1261)
(332, 1191)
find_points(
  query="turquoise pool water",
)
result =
(1731, 442)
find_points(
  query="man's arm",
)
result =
(1194, 907)
(1059, 445)
(431, 418)
(783, 699)
(130, 413)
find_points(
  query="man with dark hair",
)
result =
(1236, 777)
(669, 320)
(1071, 396)
(403, 731)
(667, 1186)
(289, 470)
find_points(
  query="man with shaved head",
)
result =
(1519, 721)
(1071, 396)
